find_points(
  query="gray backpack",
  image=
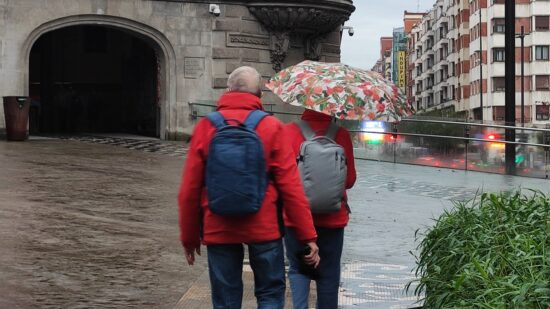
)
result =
(322, 165)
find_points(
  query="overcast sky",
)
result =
(371, 20)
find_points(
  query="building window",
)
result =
(498, 1)
(543, 112)
(542, 82)
(542, 23)
(498, 113)
(541, 52)
(498, 25)
(499, 84)
(498, 54)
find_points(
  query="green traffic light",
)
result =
(520, 158)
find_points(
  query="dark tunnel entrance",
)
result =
(94, 79)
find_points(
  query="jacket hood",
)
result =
(239, 100)
(311, 115)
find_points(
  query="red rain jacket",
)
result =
(319, 123)
(262, 226)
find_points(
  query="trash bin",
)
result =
(16, 113)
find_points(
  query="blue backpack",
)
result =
(236, 175)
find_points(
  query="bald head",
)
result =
(245, 79)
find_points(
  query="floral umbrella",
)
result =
(340, 91)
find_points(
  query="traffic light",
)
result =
(493, 136)
(520, 149)
(496, 137)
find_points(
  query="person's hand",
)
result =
(313, 258)
(190, 254)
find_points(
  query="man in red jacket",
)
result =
(261, 231)
(330, 227)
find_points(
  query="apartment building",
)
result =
(383, 64)
(458, 56)
(394, 60)
(533, 16)
(410, 20)
(440, 52)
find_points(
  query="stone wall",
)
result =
(197, 49)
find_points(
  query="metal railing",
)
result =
(439, 143)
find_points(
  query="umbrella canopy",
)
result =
(341, 91)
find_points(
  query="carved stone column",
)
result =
(313, 47)
(280, 42)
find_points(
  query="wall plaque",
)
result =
(248, 40)
(193, 67)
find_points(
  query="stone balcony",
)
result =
(306, 17)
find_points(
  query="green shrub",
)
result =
(492, 252)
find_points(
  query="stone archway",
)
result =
(163, 49)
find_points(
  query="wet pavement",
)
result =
(92, 222)
(87, 225)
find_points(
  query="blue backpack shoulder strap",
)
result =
(254, 119)
(217, 119)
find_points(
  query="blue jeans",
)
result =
(225, 265)
(330, 242)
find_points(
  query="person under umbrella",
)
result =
(329, 226)
(324, 151)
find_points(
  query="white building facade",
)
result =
(459, 58)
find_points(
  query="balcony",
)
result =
(444, 40)
(424, 56)
(429, 89)
(430, 70)
(320, 17)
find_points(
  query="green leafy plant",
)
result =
(491, 252)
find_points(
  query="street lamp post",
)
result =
(510, 81)
(521, 36)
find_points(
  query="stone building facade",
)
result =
(84, 53)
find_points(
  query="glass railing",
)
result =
(463, 146)
(438, 143)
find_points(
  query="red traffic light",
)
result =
(492, 136)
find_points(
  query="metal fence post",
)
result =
(546, 141)
(394, 135)
(466, 143)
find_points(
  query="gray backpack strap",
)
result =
(307, 132)
(332, 131)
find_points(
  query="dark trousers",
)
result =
(330, 242)
(225, 263)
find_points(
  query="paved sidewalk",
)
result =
(91, 222)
